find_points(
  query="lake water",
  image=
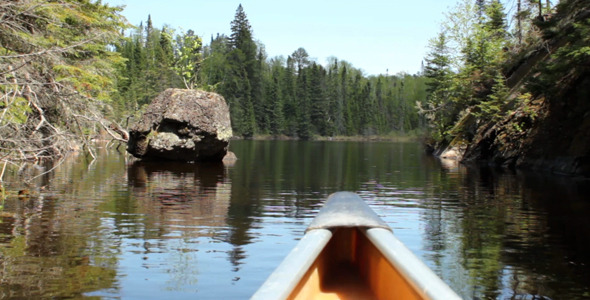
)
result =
(112, 229)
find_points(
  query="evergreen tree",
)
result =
(215, 67)
(241, 31)
(290, 105)
(352, 105)
(438, 71)
(496, 19)
(477, 89)
(438, 65)
(243, 60)
(365, 111)
(335, 116)
(165, 59)
(275, 103)
(304, 125)
(165, 53)
(380, 122)
(149, 33)
(258, 96)
(319, 105)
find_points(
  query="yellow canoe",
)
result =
(348, 252)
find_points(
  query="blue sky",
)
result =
(373, 35)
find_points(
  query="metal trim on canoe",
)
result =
(287, 275)
(345, 209)
(418, 274)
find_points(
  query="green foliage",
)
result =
(492, 109)
(464, 68)
(152, 66)
(188, 62)
(470, 60)
(57, 73)
(571, 59)
(495, 18)
(439, 107)
(15, 111)
(292, 96)
(243, 81)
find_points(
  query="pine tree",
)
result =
(165, 59)
(304, 126)
(335, 117)
(319, 105)
(149, 32)
(165, 54)
(380, 106)
(215, 67)
(352, 105)
(257, 96)
(345, 94)
(438, 64)
(365, 111)
(276, 118)
(289, 98)
(243, 61)
(438, 105)
(496, 19)
(241, 31)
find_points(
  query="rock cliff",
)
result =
(549, 125)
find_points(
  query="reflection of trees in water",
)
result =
(49, 246)
(291, 179)
(181, 266)
(501, 229)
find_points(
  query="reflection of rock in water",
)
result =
(449, 164)
(190, 198)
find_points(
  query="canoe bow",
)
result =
(348, 235)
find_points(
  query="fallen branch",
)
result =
(114, 128)
(122, 132)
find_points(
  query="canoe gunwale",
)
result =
(293, 268)
(348, 210)
(424, 281)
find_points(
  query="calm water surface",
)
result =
(112, 229)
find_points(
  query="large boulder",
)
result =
(185, 125)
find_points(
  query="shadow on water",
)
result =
(557, 246)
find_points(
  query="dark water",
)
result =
(117, 230)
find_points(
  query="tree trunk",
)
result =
(518, 20)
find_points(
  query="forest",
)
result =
(73, 68)
(278, 96)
